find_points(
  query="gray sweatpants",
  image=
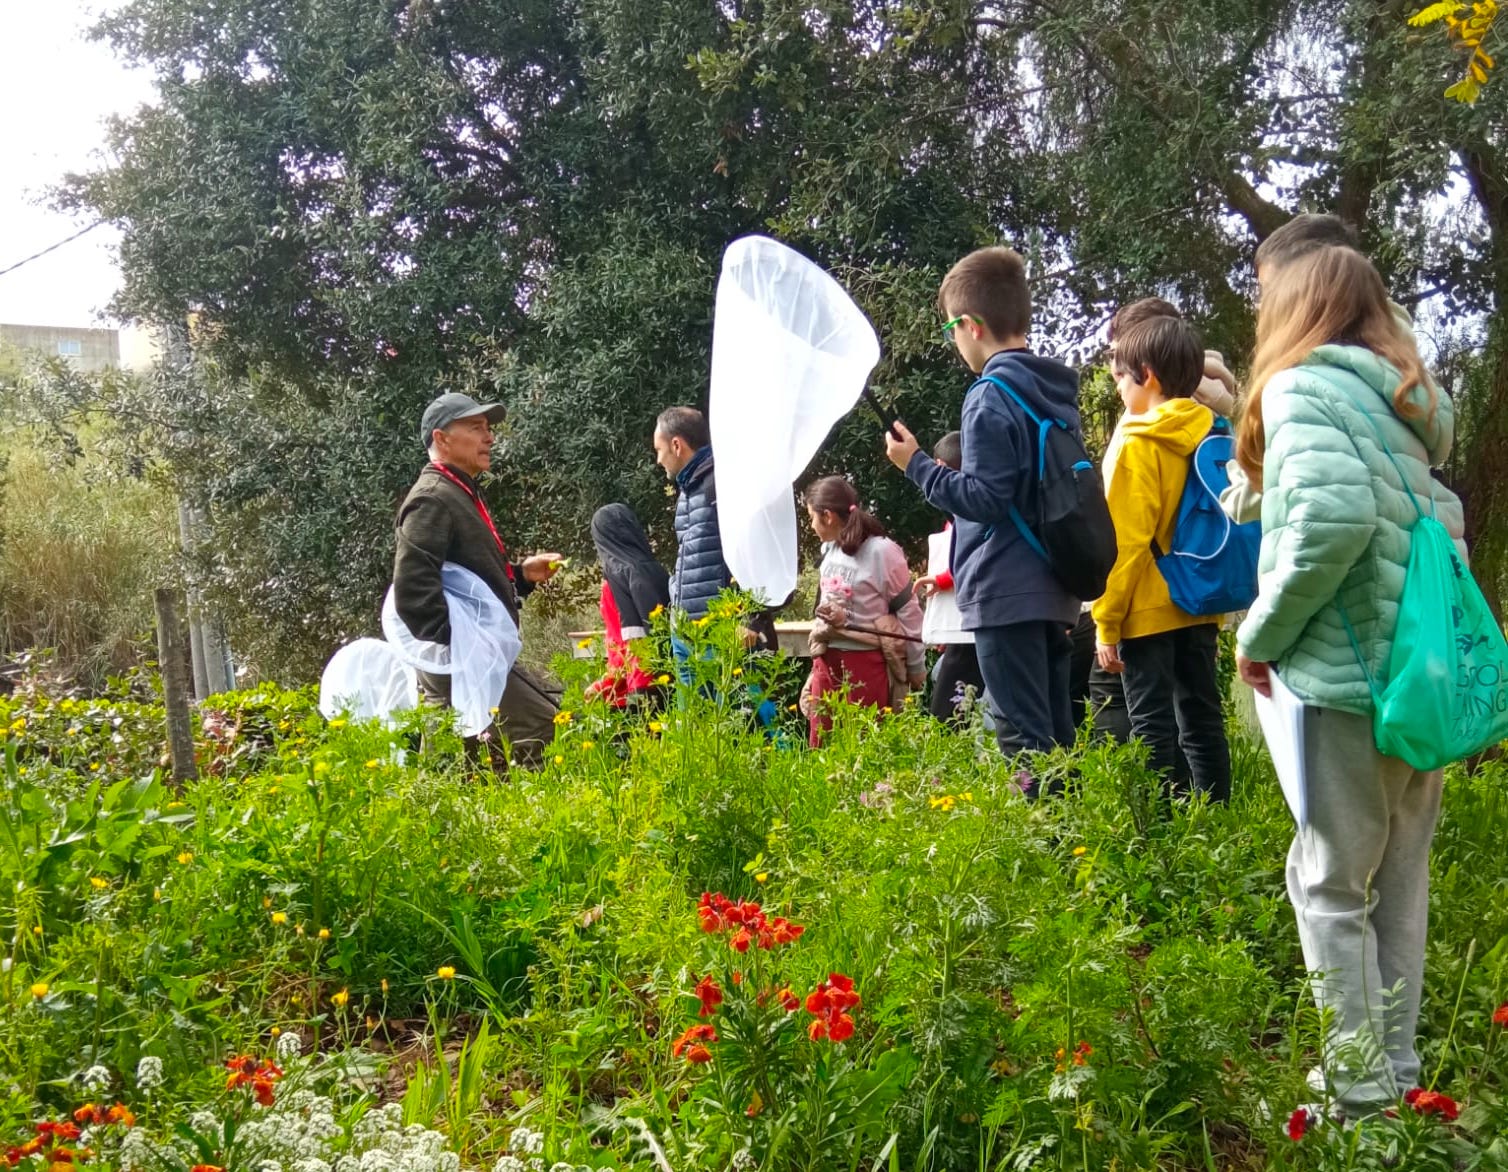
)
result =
(1358, 876)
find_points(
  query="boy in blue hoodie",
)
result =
(1009, 597)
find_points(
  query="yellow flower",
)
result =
(185, 858)
(944, 802)
(967, 795)
(384, 986)
(559, 760)
(656, 727)
(701, 622)
(585, 745)
(337, 723)
(793, 707)
(72, 732)
(284, 725)
(563, 716)
(887, 710)
(738, 671)
(276, 1031)
(156, 895)
(39, 990)
(662, 679)
(97, 883)
(1080, 851)
(340, 999)
(321, 768)
(266, 901)
(584, 644)
(373, 763)
(324, 933)
(447, 972)
(657, 612)
(18, 724)
(279, 917)
(36, 929)
(94, 767)
(173, 806)
(761, 876)
(299, 928)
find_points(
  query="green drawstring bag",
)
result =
(1446, 695)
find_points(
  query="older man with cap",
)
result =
(443, 519)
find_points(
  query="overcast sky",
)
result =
(56, 88)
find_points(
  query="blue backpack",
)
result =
(1212, 565)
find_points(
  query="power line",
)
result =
(50, 248)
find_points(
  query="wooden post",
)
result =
(175, 688)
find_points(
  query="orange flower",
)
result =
(829, 1003)
(709, 995)
(690, 1043)
(1500, 1015)
(1432, 1103)
(206, 1168)
(788, 1000)
(121, 1114)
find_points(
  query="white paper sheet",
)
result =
(1282, 719)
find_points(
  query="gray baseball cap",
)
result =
(450, 408)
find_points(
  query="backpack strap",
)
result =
(1329, 375)
(1043, 427)
(901, 599)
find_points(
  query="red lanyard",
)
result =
(480, 508)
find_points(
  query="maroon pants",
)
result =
(863, 673)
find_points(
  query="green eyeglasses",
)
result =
(950, 326)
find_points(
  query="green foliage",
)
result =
(1071, 983)
(81, 549)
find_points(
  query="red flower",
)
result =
(1081, 1052)
(1298, 1124)
(206, 1168)
(1500, 1015)
(709, 995)
(788, 1000)
(828, 1003)
(262, 1089)
(741, 940)
(1432, 1103)
(690, 1043)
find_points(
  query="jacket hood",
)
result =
(619, 537)
(1048, 386)
(1180, 425)
(1381, 376)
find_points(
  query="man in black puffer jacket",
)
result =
(683, 447)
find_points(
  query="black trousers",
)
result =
(1173, 699)
(1025, 667)
(958, 669)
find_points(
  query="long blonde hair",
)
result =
(1329, 295)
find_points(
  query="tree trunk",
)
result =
(175, 688)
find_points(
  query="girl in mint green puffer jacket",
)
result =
(1334, 370)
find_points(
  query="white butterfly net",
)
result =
(790, 355)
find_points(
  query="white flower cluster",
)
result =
(149, 1073)
(289, 1046)
(300, 1134)
(525, 1146)
(96, 1078)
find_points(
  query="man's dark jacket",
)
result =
(438, 523)
(700, 572)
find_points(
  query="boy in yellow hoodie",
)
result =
(1166, 656)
